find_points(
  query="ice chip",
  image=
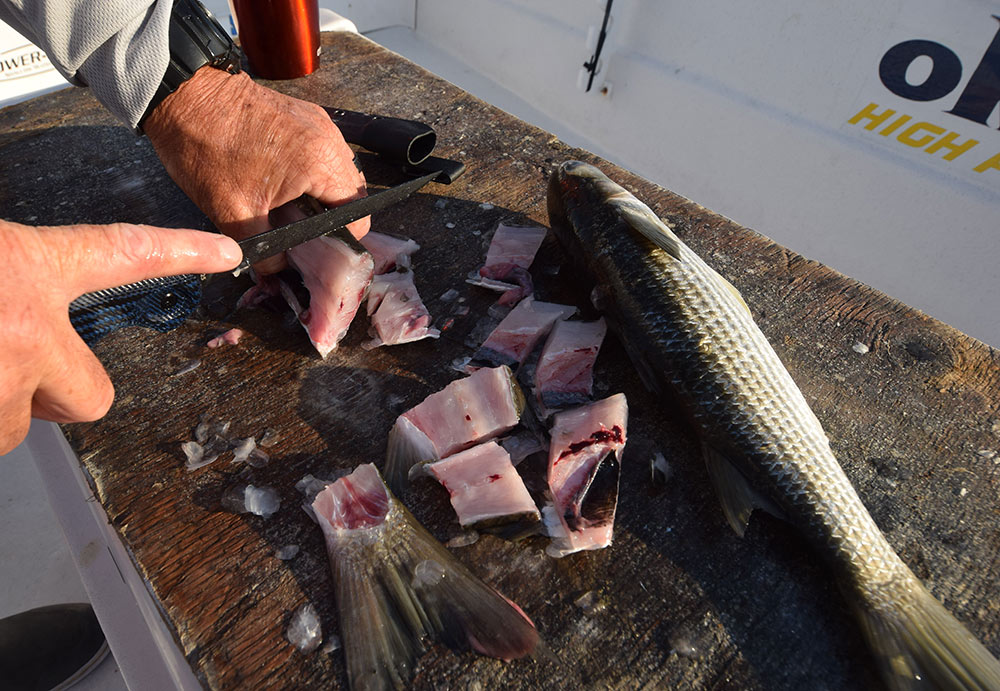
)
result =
(268, 438)
(304, 631)
(194, 452)
(262, 501)
(243, 449)
(465, 539)
(234, 499)
(286, 552)
(257, 459)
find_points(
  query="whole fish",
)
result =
(688, 330)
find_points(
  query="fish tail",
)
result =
(419, 589)
(920, 645)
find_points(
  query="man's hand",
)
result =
(239, 150)
(46, 370)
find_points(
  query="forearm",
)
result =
(117, 47)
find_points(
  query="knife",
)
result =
(164, 303)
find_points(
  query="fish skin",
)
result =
(689, 332)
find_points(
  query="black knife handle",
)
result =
(156, 303)
(407, 141)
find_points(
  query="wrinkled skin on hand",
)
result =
(239, 150)
(46, 370)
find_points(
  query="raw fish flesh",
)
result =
(516, 336)
(335, 274)
(231, 337)
(396, 311)
(514, 245)
(564, 375)
(395, 584)
(465, 413)
(511, 252)
(337, 277)
(584, 467)
(485, 488)
(387, 251)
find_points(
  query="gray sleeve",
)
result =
(119, 48)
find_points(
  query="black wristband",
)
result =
(196, 40)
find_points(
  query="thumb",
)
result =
(93, 257)
(74, 386)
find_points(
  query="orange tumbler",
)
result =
(280, 37)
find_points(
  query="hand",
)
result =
(239, 150)
(46, 370)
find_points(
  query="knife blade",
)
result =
(331, 222)
(165, 303)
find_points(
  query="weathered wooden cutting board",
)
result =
(678, 600)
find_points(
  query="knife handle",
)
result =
(409, 141)
(156, 303)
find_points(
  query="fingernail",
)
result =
(229, 249)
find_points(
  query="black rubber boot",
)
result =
(50, 647)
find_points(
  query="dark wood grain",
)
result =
(678, 601)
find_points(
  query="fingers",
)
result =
(75, 388)
(255, 226)
(92, 257)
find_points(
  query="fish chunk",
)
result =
(388, 252)
(515, 245)
(565, 373)
(395, 584)
(485, 488)
(584, 468)
(508, 258)
(396, 311)
(467, 412)
(516, 336)
(689, 331)
(337, 276)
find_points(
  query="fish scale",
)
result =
(688, 331)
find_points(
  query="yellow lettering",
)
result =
(906, 136)
(894, 125)
(992, 162)
(868, 113)
(948, 142)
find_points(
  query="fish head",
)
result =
(591, 215)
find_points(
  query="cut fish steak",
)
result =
(485, 488)
(388, 252)
(565, 372)
(396, 584)
(584, 468)
(516, 336)
(465, 413)
(396, 311)
(511, 252)
(337, 276)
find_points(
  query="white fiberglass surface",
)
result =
(781, 116)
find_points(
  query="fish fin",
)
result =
(381, 643)
(641, 218)
(732, 290)
(393, 592)
(407, 446)
(461, 610)
(920, 645)
(737, 497)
